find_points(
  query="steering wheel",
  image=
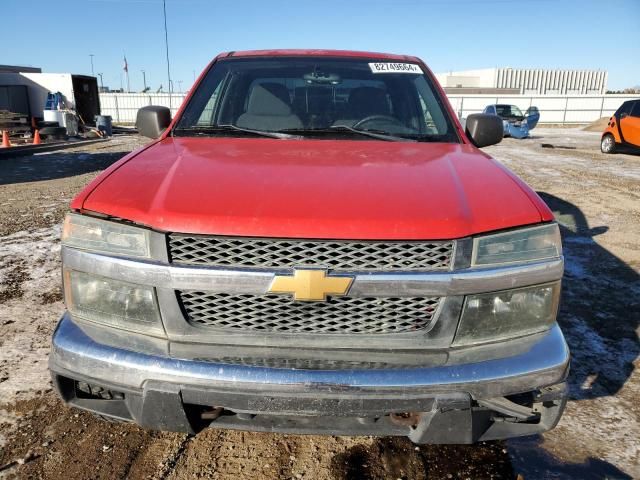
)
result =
(372, 118)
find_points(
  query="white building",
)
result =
(525, 81)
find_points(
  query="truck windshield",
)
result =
(509, 111)
(317, 98)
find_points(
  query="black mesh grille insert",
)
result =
(334, 255)
(279, 313)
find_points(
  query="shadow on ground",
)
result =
(54, 165)
(628, 150)
(398, 458)
(530, 460)
(599, 313)
(599, 316)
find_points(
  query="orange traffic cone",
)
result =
(36, 137)
(5, 139)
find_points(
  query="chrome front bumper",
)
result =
(161, 392)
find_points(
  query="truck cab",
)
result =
(314, 245)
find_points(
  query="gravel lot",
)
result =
(597, 200)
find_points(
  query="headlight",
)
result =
(113, 303)
(507, 314)
(536, 243)
(98, 235)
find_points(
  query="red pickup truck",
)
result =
(314, 244)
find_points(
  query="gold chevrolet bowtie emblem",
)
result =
(310, 285)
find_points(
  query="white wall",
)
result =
(563, 109)
(123, 107)
(566, 109)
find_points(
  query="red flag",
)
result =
(125, 66)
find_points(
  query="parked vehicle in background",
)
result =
(516, 124)
(623, 128)
(314, 245)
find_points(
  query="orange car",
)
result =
(623, 128)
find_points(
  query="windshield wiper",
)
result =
(346, 128)
(372, 134)
(424, 137)
(209, 129)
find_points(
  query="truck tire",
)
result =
(608, 144)
(45, 124)
(58, 133)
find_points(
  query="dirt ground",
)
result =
(597, 126)
(597, 201)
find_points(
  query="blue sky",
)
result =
(449, 35)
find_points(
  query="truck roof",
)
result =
(317, 53)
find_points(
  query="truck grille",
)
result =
(335, 255)
(339, 315)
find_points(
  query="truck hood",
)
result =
(314, 189)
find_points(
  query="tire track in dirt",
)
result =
(230, 454)
(174, 457)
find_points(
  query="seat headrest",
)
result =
(269, 99)
(367, 101)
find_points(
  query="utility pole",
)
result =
(91, 56)
(144, 79)
(101, 84)
(179, 85)
(166, 44)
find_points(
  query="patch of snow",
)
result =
(26, 321)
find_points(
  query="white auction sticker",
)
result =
(395, 68)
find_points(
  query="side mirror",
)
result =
(484, 130)
(624, 115)
(153, 120)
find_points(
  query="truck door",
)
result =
(532, 115)
(630, 125)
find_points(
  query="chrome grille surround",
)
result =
(307, 363)
(280, 314)
(336, 255)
